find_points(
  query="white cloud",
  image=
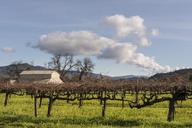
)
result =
(89, 43)
(155, 32)
(7, 50)
(126, 53)
(127, 26)
(120, 52)
(75, 43)
(149, 63)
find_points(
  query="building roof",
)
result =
(28, 72)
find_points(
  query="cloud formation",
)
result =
(7, 50)
(90, 44)
(155, 32)
(127, 53)
(75, 43)
(126, 26)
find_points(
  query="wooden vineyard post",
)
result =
(40, 101)
(123, 102)
(49, 106)
(35, 106)
(68, 97)
(136, 93)
(171, 113)
(80, 100)
(101, 97)
(104, 105)
(6, 98)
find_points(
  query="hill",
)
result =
(6, 71)
(184, 73)
(128, 77)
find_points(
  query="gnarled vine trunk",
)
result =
(171, 112)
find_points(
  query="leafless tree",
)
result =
(62, 63)
(55, 63)
(84, 67)
(14, 70)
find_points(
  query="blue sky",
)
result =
(23, 21)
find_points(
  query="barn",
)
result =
(40, 76)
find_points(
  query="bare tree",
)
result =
(15, 69)
(55, 63)
(84, 67)
(62, 63)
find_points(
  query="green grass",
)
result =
(19, 113)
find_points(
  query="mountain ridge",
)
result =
(185, 73)
(25, 66)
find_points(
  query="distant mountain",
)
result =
(23, 66)
(184, 73)
(72, 74)
(128, 77)
(5, 70)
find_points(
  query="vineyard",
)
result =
(135, 93)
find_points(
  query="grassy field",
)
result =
(19, 113)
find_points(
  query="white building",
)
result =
(40, 76)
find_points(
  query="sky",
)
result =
(122, 37)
